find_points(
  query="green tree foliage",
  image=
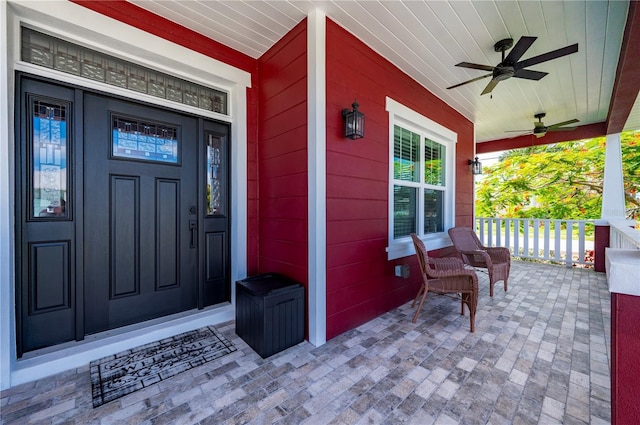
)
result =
(561, 181)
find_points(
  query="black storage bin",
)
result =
(270, 313)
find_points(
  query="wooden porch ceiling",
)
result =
(624, 109)
(426, 39)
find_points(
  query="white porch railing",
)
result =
(568, 242)
(623, 235)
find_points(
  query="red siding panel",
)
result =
(282, 157)
(360, 281)
(625, 368)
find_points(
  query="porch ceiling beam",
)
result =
(627, 84)
(528, 140)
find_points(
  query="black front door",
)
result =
(122, 213)
(140, 221)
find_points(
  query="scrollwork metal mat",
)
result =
(120, 374)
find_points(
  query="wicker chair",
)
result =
(445, 276)
(497, 260)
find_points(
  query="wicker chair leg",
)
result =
(415, 300)
(472, 319)
(469, 300)
(424, 295)
(462, 301)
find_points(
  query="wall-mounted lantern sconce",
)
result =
(476, 166)
(353, 122)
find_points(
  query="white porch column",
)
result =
(317, 175)
(613, 205)
(7, 334)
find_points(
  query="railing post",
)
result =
(525, 236)
(516, 237)
(507, 233)
(536, 236)
(581, 231)
(558, 237)
(547, 225)
(569, 244)
(490, 232)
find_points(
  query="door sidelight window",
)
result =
(49, 155)
(216, 172)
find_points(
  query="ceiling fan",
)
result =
(540, 129)
(510, 67)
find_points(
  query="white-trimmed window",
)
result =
(421, 180)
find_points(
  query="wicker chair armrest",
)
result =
(499, 254)
(446, 267)
(479, 252)
(446, 263)
(473, 252)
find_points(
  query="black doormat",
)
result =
(131, 370)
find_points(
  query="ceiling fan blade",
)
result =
(470, 81)
(561, 129)
(547, 56)
(475, 66)
(492, 84)
(560, 124)
(517, 131)
(529, 75)
(519, 49)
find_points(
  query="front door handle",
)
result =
(193, 228)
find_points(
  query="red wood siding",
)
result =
(137, 17)
(360, 281)
(625, 369)
(282, 157)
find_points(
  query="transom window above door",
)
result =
(51, 52)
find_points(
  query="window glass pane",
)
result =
(49, 146)
(406, 155)
(404, 210)
(433, 211)
(434, 157)
(216, 172)
(147, 141)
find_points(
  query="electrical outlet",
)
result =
(398, 271)
(405, 271)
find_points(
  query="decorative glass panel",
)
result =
(148, 141)
(404, 210)
(216, 172)
(49, 147)
(51, 52)
(434, 157)
(433, 211)
(406, 155)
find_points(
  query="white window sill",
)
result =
(404, 247)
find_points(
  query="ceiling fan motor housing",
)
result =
(540, 129)
(501, 73)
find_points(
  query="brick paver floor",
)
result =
(539, 355)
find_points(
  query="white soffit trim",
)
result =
(317, 175)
